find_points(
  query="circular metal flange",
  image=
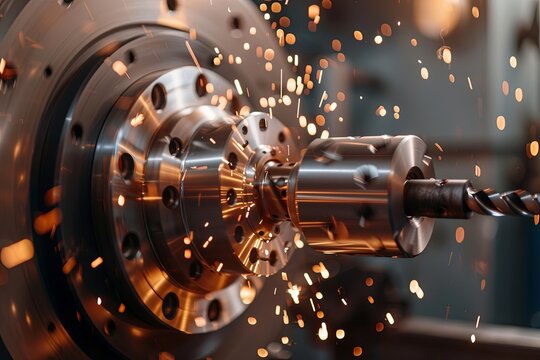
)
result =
(138, 168)
(222, 188)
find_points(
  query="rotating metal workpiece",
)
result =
(146, 200)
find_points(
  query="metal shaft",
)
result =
(458, 199)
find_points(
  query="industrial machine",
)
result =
(153, 178)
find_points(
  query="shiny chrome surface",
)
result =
(223, 197)
(347, 195)
(138, 177)
(66, 300)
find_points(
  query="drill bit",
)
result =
(459, 200)
(516, 202)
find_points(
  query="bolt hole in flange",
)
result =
(239, 234)
(214, 310)
(263, 124)
(170, 306)
(66, 3)
(131, 247)
(273, 258)
(159, 97)
(231, 197)
(170, 197)
(195, 270)
(131, 57)
(126, 166)
(200, 85)
(172, 5)
(233, 161)
(281, 137)
(253, 256)
(175, 147)
(48, 72)
(76, 133)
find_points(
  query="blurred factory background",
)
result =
(479, 113)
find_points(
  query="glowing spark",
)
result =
(477, 170)
(294, 292)
(17, 253)
(312, 304)
(193, 56)
(69, 265)
(312, 130)
(324, 271)
(323, 332)
(285, 317)
(247, 293)
(533, 148)
(47, 222)
(98, 261)
(424, 73)
(99, 302)
(476, 14)
(238, 87)
(300, 321)
(252, 321)
(340, 334)
(518, 94)
(390, 318)
(137, 120)
(200, 321)
(121, 200)
(460, 235)
(477, 321)
(308, 279)
(513, 62)
(298, 240)
(413, 286)
(119, 67)
(262, 352)
(505, 87)
(473, 338)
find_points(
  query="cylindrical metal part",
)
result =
(346, 195)
(437, 198)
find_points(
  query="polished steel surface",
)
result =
(347, 195)
(68, 58)
(139, 168)
(226, 205)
